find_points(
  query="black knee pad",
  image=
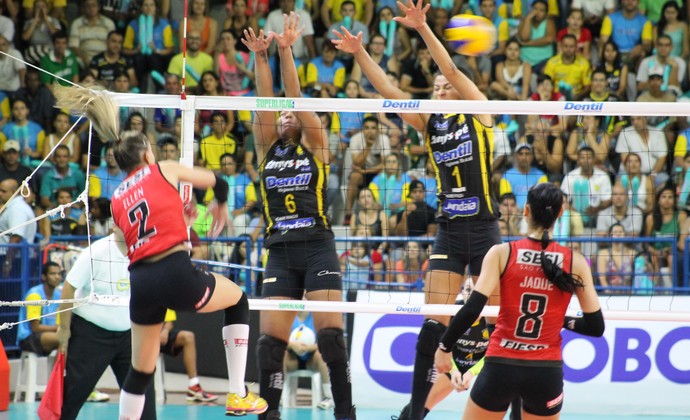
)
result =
(137, 382)
(331, 344)
(429, 337)
(238, 313)
(270, 352)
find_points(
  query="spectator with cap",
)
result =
(671, 69)
(522, 176)
(418, 218)
(588, 186)
(12, 167)
(656, 93)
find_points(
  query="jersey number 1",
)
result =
(140, 213)
(533, 308)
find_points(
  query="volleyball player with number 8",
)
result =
(294, 158)
(537, 278)
(149, 211)
(460, 147)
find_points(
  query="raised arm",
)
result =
(415, 18)
(314, 136)
(349, 43)
(264, 127)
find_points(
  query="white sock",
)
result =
(235, 339)
(327, 393)
(131, 405)
(194, 381)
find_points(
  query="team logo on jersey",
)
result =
(288, 225)
(461, 207)
(438, 125)
(463, 150)
(532, 257)
(288, 164)
(300, 180)
(461, 133)
(132, 181)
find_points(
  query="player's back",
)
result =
(532, 307)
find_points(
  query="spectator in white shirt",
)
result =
(588, 186)
(650, 145)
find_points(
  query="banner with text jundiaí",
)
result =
(635, 368)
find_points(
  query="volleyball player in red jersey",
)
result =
(148, 209)
(537, 278)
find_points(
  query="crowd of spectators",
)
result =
(619, 173)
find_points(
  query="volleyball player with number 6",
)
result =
(148, 209)
(537, 278)
(294, 158)
(460, 147)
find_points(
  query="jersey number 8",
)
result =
(530, 323)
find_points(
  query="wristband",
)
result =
(220, 190)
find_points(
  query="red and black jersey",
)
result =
(149, 211)
(532, 307)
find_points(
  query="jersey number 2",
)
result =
(140, 213)
(533, 308)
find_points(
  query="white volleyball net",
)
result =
(640, 269)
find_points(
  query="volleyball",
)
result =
(303, 334)
(470, 34)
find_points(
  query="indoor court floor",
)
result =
(103, 411)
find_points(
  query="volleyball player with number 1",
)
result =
(294, 156)
(460, 147)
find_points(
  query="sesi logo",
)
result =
(531, 257)
(389, 351)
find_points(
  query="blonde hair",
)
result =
(104, 114)
(95, 102)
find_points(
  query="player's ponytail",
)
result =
(100, 108)
(95, 102)
(546, 201)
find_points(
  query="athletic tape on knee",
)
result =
(429, 336)
(238, 313)
(270, 352)
(137, 382)
(331, 344)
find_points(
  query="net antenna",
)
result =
(188, 114)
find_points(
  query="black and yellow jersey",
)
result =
(460, 148)
(293, 184)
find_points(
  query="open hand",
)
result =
(415, 14)
(257, 43)
(220, 218)
(346, 42)
(291, 31)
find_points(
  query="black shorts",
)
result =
(296, 267)
(169, 347)
(173, 282)
(32, 343)
(459, 244)
(540, 387)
